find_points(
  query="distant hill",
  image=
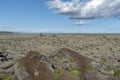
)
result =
(7, 32)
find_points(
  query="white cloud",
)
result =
(81, 22)
(87, 9)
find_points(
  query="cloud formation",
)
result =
(86, 9)
(81, 22)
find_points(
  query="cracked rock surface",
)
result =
(60, 56)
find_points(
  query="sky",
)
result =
(60, 16)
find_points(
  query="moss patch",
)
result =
(117, 73)
(74, 72)
(5, 78)
(88, 67)
(71, 60)
(56, 74)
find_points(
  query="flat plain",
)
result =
(102, 50)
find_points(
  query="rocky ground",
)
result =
(59, 57)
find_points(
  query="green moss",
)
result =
(71, 60)
(56, 74)
(88, 67)
(74, 72)
(117, 73)
(5, 78)
(71, 72)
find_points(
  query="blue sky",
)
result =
(35, 16)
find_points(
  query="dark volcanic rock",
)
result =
(3, 57)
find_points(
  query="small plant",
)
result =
(74, 72)
(71, 60)
(88, 67)
(117, 73)
(5, 78)
(57, 74)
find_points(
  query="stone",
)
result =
(118, 60)
(7, 65)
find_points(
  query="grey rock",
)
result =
(20, 72)
(7, 65)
